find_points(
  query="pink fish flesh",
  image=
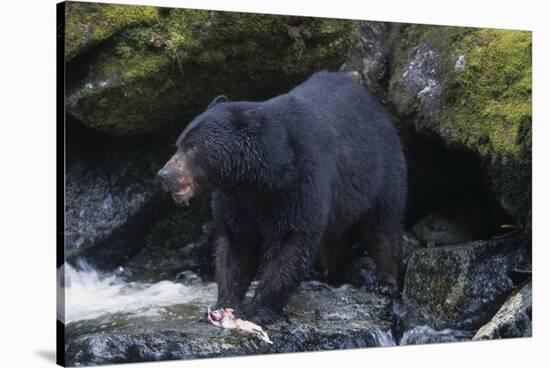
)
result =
(225, 318)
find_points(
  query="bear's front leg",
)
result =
(236, 264)
(284, 264)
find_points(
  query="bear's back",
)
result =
(325, 88)
(337, 94)
(356, 137)
(348, 107)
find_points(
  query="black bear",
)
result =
(295, 180)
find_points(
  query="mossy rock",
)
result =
(88, 24)
(471, 89)
(459, 286)
(145, 76)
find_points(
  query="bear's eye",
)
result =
(190, 147)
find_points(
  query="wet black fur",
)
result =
(296, 179)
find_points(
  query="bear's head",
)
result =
(219, 147)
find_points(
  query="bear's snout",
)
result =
(176, 177)
(166, 179)
(162, 174)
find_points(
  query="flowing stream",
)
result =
(90, 294)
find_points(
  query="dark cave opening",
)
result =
(443, 178)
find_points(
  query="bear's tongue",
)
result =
(184, 189)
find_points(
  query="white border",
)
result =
(27, 195)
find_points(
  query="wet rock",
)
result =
(318, 317)
(126, 86)
(114, 193)
(513, 319)
(449, 226)
(117, 215)
(158, 240)
(459, 286)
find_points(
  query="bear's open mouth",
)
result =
(184, 188)
(184, 192)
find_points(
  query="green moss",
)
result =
(267, 42)
(203, 54)
(489, 101)
(488, 107)
(485, 104)
(138, 86)
(88, 24)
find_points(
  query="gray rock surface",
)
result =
(116, 213)
(107, 194)
(421, 77)
(369, 56)
(513, 319)
(459, 286)
(318, 317)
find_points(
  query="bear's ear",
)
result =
(217, 100)
(250, 119)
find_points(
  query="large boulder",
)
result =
(168, 65)
(460, 286)
(467, 88)
(513, 319)
(318, 318)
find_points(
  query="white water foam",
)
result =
(90, 294)
(384, 338)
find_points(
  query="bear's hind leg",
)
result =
(383, 232)
(334, 253)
